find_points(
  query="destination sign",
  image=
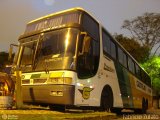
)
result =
(53, 22)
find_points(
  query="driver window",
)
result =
(87, 41)
(88, 62)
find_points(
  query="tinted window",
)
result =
(89, 61)
(109, 46)
(28, 52)
(106, 43)
(91, 26)
(131, 65)
(113, 50)
(120, 55)
(125, 60)
(145, 78)
(143, 75)
(148, 82)
(138, 72)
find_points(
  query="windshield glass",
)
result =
(29, 46)
(56, 51)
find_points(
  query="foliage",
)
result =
(145, 29)
(152, 66)
(3, 60)
(139, 52)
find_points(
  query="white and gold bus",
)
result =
(69, 59)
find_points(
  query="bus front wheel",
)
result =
(107, 98)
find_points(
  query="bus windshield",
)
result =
(55, 51)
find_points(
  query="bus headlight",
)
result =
(60, 80)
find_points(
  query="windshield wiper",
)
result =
(46, 67)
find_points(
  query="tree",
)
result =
(139, 52)
(3, 60)
(145, 29)
(152, 66)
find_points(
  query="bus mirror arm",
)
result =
(11, 51)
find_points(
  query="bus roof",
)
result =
(57, 13)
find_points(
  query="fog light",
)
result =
(59, 93)
(56, 93)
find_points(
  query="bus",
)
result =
(69, 59)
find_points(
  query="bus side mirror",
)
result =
(84, 43)
(11, 51)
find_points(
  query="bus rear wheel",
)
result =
(107, 98)
(144, 109)
(146, 103)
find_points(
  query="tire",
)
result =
(144, 109)
(146, 103)
(107, 98)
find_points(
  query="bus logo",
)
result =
(86, 92)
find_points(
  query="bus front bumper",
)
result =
(49, 94)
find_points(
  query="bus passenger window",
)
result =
(113, 49)
(131, 65)
(125, 60)
(106, 43)
(138, 72)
